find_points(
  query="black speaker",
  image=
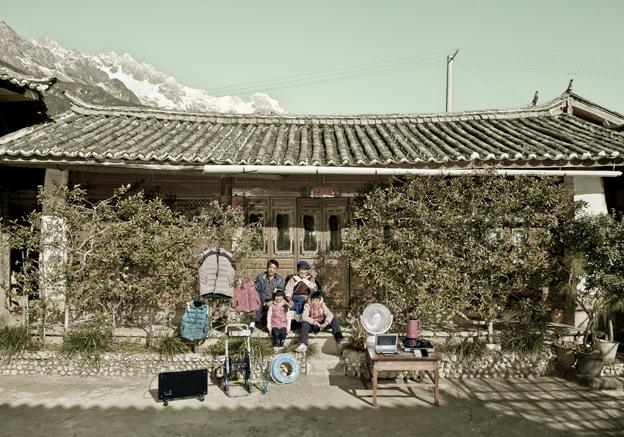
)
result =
(184, 384)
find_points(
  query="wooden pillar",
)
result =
(225, 197)
(5, 256)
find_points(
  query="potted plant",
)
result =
(557, 303)
(566, 353)
(608, 346)
(612, 300)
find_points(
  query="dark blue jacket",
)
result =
(261, 282)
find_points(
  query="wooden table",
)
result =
(404, 361)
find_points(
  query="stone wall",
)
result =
(494, 364)
(613, 369)
(111, 364)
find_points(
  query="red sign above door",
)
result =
(322, 192)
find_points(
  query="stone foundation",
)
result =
(613, 369)
(492, 365)
(112, 364)
(109, 364)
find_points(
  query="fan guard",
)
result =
(376, 319)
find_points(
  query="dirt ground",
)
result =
(312, 406)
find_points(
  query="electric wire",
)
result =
(339, 78)
(339, 73)
(493, 82)
(336, 70)
(554, 64)
(568, 59)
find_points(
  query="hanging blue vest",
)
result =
(195, 322)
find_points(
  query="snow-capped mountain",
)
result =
(120, 77)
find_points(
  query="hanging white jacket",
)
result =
(216, 274)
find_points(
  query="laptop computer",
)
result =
(386, 344)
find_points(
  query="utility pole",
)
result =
(449, 81)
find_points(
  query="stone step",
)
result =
(327, 361)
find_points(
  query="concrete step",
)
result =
(327, 361)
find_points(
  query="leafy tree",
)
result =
(126, 260)
(593, 264)
(474, 245)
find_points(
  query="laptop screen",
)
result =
(386, 340)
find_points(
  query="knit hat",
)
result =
(303, 265)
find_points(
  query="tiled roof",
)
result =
(21, 80)
(535, 136)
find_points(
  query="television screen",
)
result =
(386, 340)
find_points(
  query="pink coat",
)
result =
(246, 298)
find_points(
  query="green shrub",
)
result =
(16, 339)
(88, 342)
(170, 346)
(131, 253)
(482, 242)
(130, 347)
(358, 333)
(522, 340)
(467, 349)
(216, 349)
(259, 347)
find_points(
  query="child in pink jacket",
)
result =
(278, 320)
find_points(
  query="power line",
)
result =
(558, 64)
(329, 74)
(568, 59)
(343, 78)
(483, 75)
(561, 69)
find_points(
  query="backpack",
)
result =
(195, 322)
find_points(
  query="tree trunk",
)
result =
(609, 328)
(42, 330)
(588, 328)
(490, 331)
(26, 315)
(150, 332)
(66, 314)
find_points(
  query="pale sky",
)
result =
(365, 56)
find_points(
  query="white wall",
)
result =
(591, 190)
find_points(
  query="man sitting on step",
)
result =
(316, 317)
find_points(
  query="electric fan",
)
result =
(376, 319)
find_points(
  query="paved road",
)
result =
(313, 406)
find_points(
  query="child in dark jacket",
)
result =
(316, 317)
(278, 320)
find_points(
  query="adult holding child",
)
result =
(299, 287)
(266, 283)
